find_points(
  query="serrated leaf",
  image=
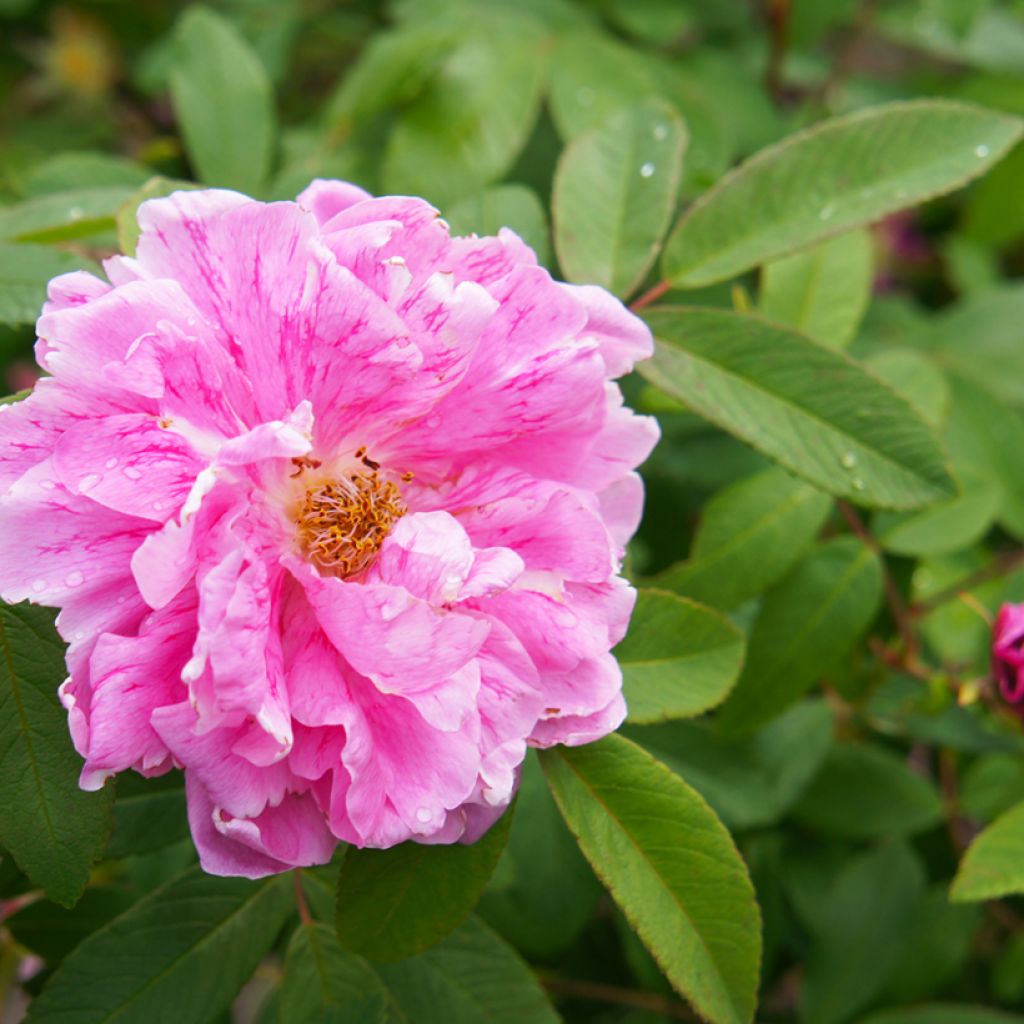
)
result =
(816, 412)
(807, 623)
(861, 927)
(751, 534)
(865, 792)
(840, 174)
(671, 866)
(325, 985)
(679, 658)
(504, 206)
(472, 118)
(993, 865)
(223, 101)
(615, 190)
(53, 829)
(471, 977)
(24, 273)
(395, 903)
(822, 291)
(190, 945)
(750, 781)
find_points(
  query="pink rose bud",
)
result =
(1008, 653)
(333, 506)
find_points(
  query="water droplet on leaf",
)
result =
(647, 170)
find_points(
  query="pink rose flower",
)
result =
(333, 505)
(1008, 653)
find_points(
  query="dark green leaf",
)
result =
(148, 814)
(53, 829)
(395, 903)
(815, 411)
(671, 866)
(953, 1013)
(189, 945)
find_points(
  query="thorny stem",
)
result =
(300, 898)
(897, 606)
(602, 993)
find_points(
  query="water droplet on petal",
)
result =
(157, 505)
(47, 485)
(38, 586)
(80, 635)
(424, 815)
(88, 482)
(75, 578)
(132, 473)
(848, 460)
(647, 170)
(981, 152)
(111, 462)
(121, 599)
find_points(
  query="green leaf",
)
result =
(840, 174)
(678, 659)
(915, 376)
(66, 171)
(751, 533)
(471, 977)
(325, 985)
(615, 190)
(865, 792)
(504, 206)
(470, 121)
(128, 230)
(993, 865)
(190, 944)
(63, 216)
(822, 291)
(53, 931)
(24, 273)
(944, 527)
(542, 893)
(395, 903)
(861, 929)
(671, 866)
(148, 814)
(223, 101)
(751, 781)
(815, 411)
(953, 1013)
(806, 625)
(53, 829)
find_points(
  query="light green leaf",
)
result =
(53, 829)
(751, 781)
(815, 411)
(861, 928)
(63, 216)
(840, 174)
(822, 291)
(615, 190)
(472, 118)
(325, 985)
(993, 865)
(671, 866)
(69, 171)
(190, 945)
(395, 903)
(24, 273)
(806, 625)
(504, 206)
(865, 792)
(128, 230)
(471, 977)
(751, 533)
(678, 659)
(944, 527)
(223, 101)
(915, 376)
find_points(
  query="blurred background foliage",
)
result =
(852, 805)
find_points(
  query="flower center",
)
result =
(343, 522)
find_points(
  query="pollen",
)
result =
(342, 523)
